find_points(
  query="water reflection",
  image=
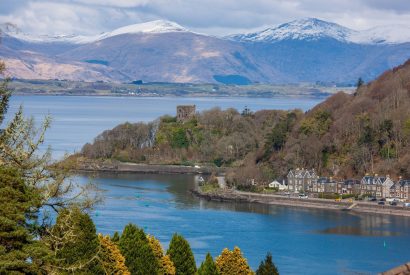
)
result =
(357, 231)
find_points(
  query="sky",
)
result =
(216, 17)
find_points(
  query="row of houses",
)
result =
(307, 181)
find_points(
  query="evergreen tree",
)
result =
(360, 82)
(19, 203)
(208, 266)
(74, 242)
(181, 255)
(111, 259)
(232, 262)
(166, 266)
(116, 237)
(139, 257)
(267, 267)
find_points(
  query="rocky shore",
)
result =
(355, 206)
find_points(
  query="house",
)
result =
(401, 190)
(301, 180)
(349, 186)
(375, 186)
(185, 112)
(324, 185)
(278, 185)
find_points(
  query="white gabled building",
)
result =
(277, 184)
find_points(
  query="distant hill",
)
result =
(308, 50)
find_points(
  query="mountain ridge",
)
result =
(163, 51)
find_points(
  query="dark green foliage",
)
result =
(360, 82)
(19, 205)
(179, 138)
(116, 237)
(181, 255)
(208, 266)
(267, 267)
(276, 139)
(74, 240)
(134, 246)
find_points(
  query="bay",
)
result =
(302, 241)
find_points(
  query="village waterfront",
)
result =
(162, 204)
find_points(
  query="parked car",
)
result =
(303, 196)
(393, 203)
(372, 199)
(407, 204)
(383, 199)
(381, 203)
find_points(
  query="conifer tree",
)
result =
(166, 266)
(181, 255)
(267, 267)
(18, 211)
(208, 266)
(116, 237)
(232, 262)
(110, 257)
(75, 244)
(139, 257)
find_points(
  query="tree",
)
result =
(139, 257)
(74, 242)
(166, 266)
(360, 82)
(267, 267)
(110, 257)
(20, 253)
(232, 262)
(208, 266)
(181, 255)
(116, 237)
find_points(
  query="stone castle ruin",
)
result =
(185, 112)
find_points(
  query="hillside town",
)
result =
(373, 186)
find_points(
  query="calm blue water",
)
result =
(78, 120)
(301, 241)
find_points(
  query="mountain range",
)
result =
(307, 50)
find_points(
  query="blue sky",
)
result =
(218, 17)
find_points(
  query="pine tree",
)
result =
(181, 255)
(139, 257)
(110, 257)
(74, 241)
(19, 205)
(232, 262)
(208, 266)
(267, 267)
(360, 82)
(116, 237)
(166, 266)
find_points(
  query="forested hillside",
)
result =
(345, 136)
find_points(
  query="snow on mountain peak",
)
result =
(311, 29)
(157, 26)
(303, 29)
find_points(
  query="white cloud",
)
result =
(207, 16)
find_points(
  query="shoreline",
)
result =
(141, 168)
(240, 196)
(267, 199)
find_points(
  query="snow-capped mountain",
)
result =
(305, 29)
(157, 26)
(312, 29)
(307, 50)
